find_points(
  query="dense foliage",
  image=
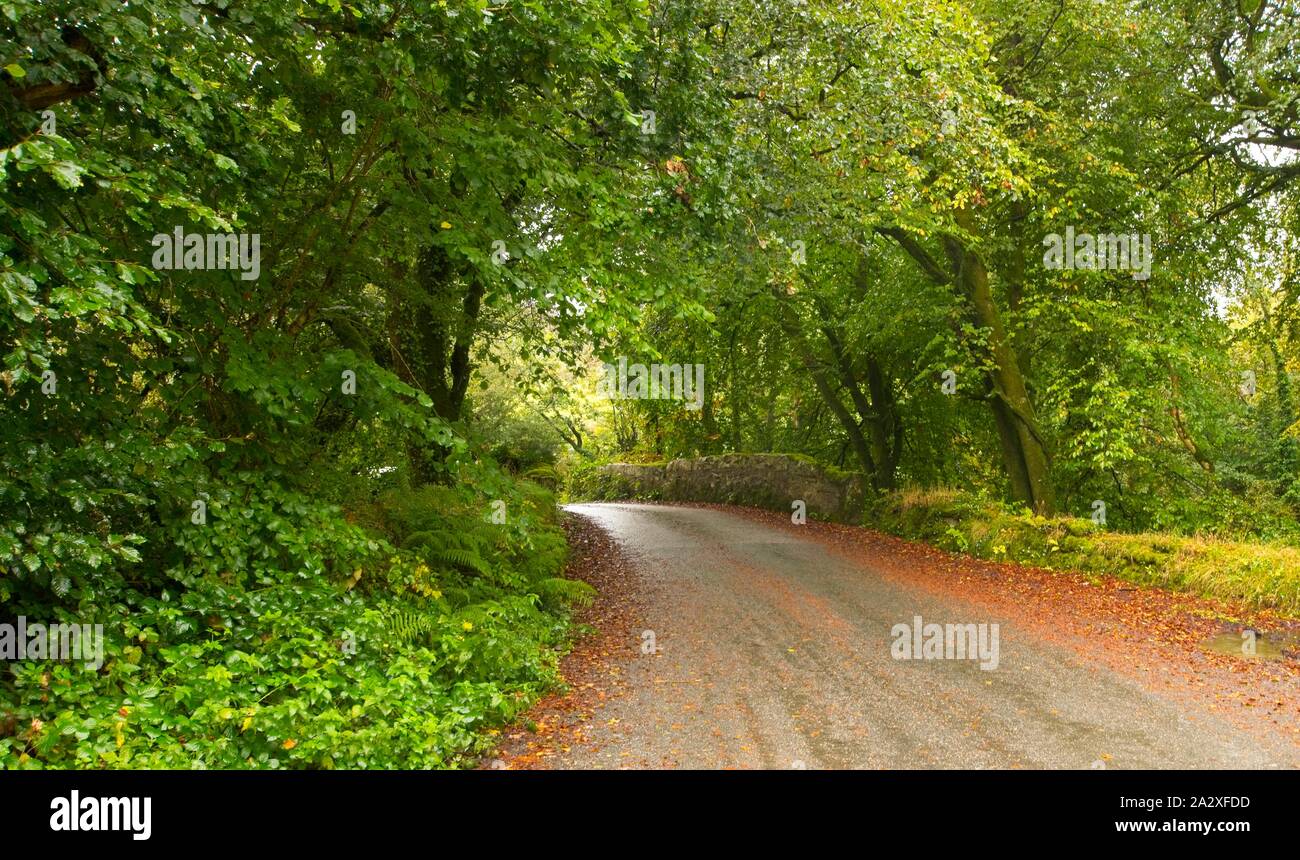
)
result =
(885, 300)
(225, 471)
(292, 489)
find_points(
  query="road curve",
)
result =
(773, 652)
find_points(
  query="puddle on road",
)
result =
(1237, 645)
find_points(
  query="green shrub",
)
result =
(1259, 574)
(284, 636)
(585, 482)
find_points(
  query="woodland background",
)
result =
(377, 581)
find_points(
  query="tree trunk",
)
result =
(822, 382)
(431, 347)
(876, 412)
(1023, 448)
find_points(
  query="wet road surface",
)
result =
(759, 648)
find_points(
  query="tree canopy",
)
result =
(421, 228)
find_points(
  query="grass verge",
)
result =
(1261, 575)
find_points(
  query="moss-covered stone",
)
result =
(772, 481)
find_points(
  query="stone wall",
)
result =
(771, 481)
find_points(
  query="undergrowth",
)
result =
(290, 634)
(1263, 575)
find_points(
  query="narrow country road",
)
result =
(773, 651)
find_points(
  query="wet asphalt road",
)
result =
(773, 652)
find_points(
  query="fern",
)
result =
(463, 558)
(457, 597)
(408, 626)
(448, 549)
(418, 540)
(557, 592)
